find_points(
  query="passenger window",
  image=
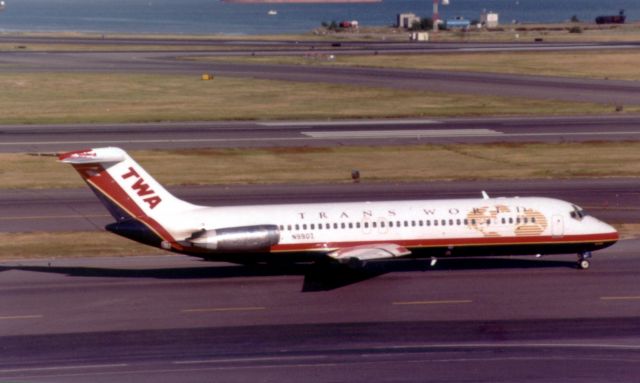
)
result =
(382, 224)
(373, 224)
(503, 221)
(366, 225)
(420, 223)
(458, 222)
(413, 223)
(297, 227)
(335, 225)
(342, 225)
(533, 219)
(357, 225)
(304, 226)
(443, 222)
(435, 222)
(473, 221)
(428, 222)
(289, 227)
(350, 225)
(327, 226)
(390, 223)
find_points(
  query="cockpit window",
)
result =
(577, 213)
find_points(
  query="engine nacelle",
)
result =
(236, 239)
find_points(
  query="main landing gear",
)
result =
(583, 260)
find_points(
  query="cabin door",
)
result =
(557, 226)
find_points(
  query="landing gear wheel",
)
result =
(583, 264)
(583, 260)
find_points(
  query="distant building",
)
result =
(489, 19)
(406, 20)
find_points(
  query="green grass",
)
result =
(334, 164)
(111, 98)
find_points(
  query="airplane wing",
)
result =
(369, 252)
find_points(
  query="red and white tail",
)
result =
(143, 208)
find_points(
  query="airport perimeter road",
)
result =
(556, 88)
(269, 47)
(55, 138)
(612, 200)
(179, 319)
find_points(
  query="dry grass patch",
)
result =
(111, 98)
(334, 164)
(628, 230)
(614, 65)
(68, 245)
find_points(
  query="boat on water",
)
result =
(272, 12)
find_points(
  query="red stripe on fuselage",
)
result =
(456, 242)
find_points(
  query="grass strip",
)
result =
(59, 98)
(68, 245)
(334, 164)
(613, 65)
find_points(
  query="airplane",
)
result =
(350, 233)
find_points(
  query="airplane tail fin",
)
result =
(142, 208)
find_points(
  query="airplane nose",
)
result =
(605, 228)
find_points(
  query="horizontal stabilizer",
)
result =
(91, 156)
(370, 252)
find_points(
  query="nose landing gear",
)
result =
(583, 260)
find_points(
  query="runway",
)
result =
(176, 318)
(56, 138)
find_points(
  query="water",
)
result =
(216, 17)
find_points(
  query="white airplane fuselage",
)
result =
(146, 212)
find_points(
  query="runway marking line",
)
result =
(17, 317)
(513, 345)
(264, 359)
(628, 298)
(63, 368)
(348, 123)
(399, 133)
(53, 217)
(445, 302)
(223, 309)
(305, 138)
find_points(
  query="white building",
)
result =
(489, 19)
(406, 20)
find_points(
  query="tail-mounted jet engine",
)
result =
(236, 239)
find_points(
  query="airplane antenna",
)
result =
(485, 195)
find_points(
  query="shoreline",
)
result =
(589, 31)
